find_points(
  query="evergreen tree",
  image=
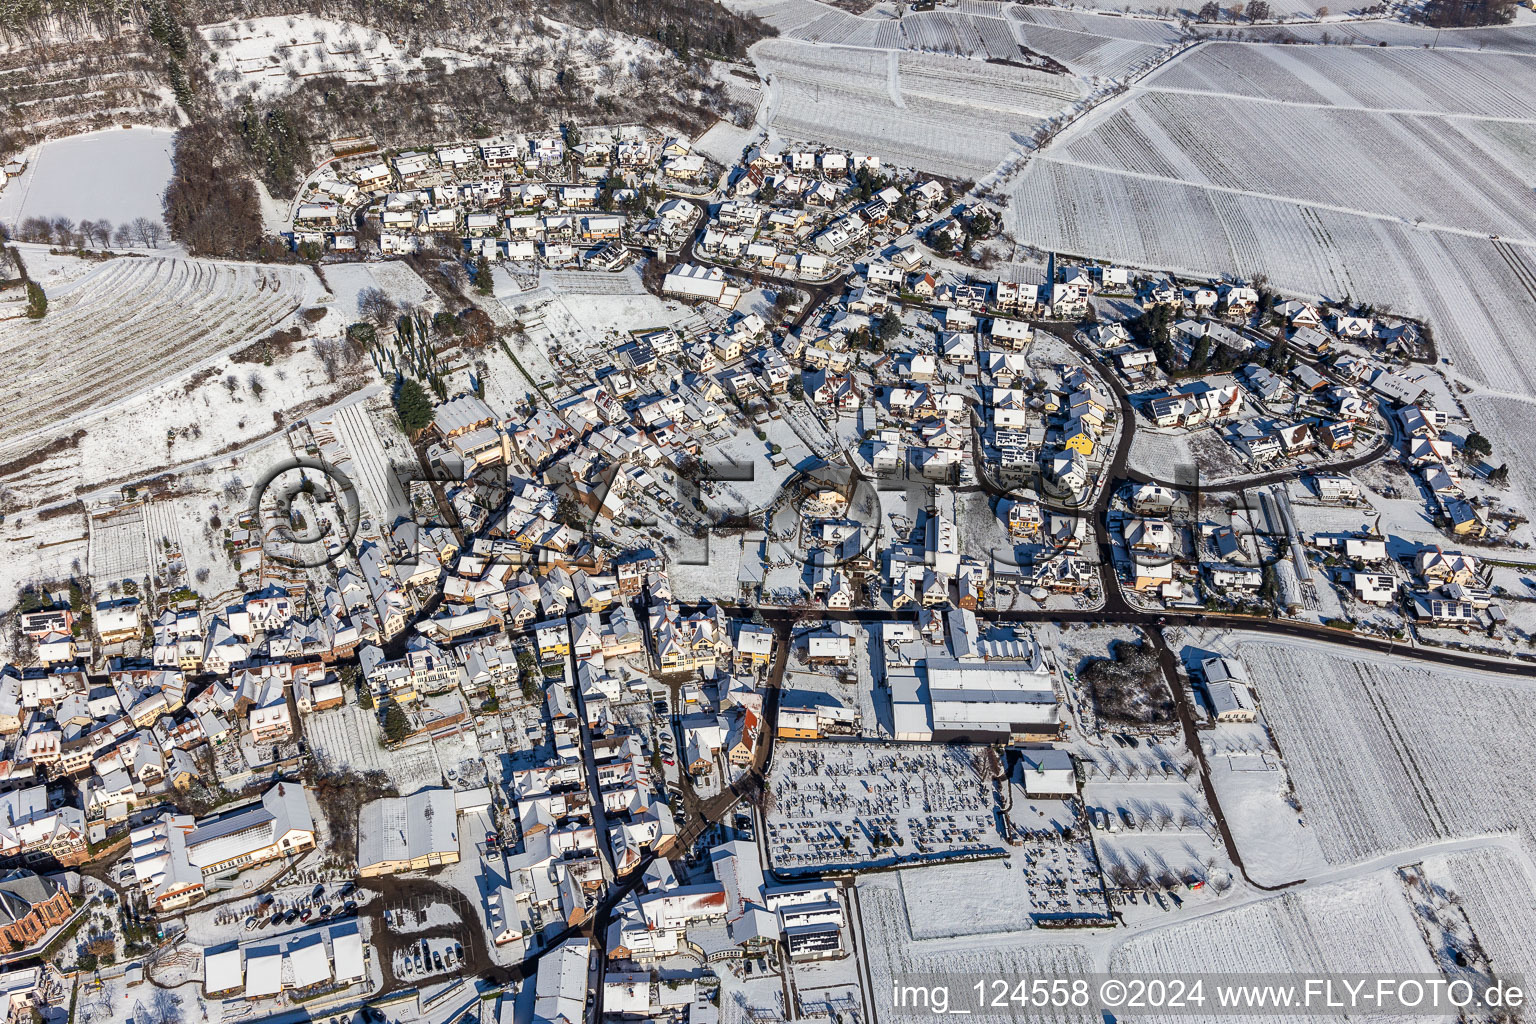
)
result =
(37, 301)
(413, 406)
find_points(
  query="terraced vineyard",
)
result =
(948, 115)
(132, 322)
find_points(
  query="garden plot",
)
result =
(393, 277)
(892, 950)
(119, 548)
(1362, 925)
(852, 805)
(131, 323)
(347, 737)
(1386, 755)
(372, 439)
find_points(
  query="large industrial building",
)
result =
(1001, 700)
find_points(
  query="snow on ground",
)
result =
(118, 174)
(1331, 220)
(1386, 754)
(130, 324)
(724, 142)
(394, 277)
(1362, 925)
(892, 950)
(1046, 877)
(1497, 890)
(1252, 785)
(267, 57)
(949, 115)
(347, 737)
(264, 58)
(213, 443)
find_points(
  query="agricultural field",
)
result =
(1087, 44)
(1518, 39)
(1362, 925)
(1385, 755)
(892, 949)
(1496, 887)
(1415, 169)
(1147, 31)
(131, 322)
(1444, 81)
(1476, 292)
(949, 115)
(1260, 153)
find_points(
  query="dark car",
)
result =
(290, 917)
(437, 961)
(277, 919)
(349, 907)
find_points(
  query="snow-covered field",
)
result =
(131, 322)
(1497, 890)
(947, 114)
(1376, 174)
(1386, 754)
(118, 174)
(1361, 925)
(892, 950)
(1373, 78)
(1252, 785)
